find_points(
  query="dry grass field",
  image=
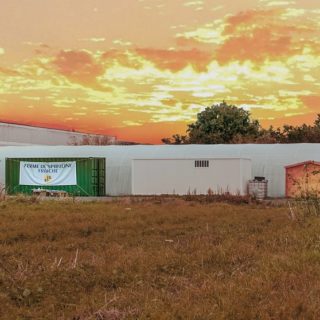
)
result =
(156, 260)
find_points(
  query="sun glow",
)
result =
(128, 80)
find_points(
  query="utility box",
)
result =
(303, 179)
(258, 188)
(190, 176)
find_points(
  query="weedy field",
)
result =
(156, 260)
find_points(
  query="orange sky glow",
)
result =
(143, 69)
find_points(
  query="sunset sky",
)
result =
(143, 69)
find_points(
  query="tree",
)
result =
(176, 139)
(223, 123)
(269, 135)
(301, 134)
(97, 140)
(317, 121)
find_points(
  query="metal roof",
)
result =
(303, 163)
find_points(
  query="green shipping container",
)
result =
(90, 174)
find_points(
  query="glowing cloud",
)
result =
(150, 85)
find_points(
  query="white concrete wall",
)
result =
(180, 176)
(11, 134)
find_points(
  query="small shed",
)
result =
(303, 179)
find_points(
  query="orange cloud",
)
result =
(176, 60)
(173, 60)
(185, 42)
(249, 18)
(258, 35)
(78, 66)
(121, 57)
(264, 60)
(312, 102)
(8, 72)
(259, 46)
(297, 120)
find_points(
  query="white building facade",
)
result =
(267, 160)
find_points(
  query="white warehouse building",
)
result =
(267, 160)
(23, 135)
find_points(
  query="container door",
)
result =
(98, 177)
(12, 174)
(102, 177)
(95, 177)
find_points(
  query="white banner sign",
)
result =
(48, 173)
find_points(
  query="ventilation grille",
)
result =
(201, 163)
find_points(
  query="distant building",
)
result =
(24, 135)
